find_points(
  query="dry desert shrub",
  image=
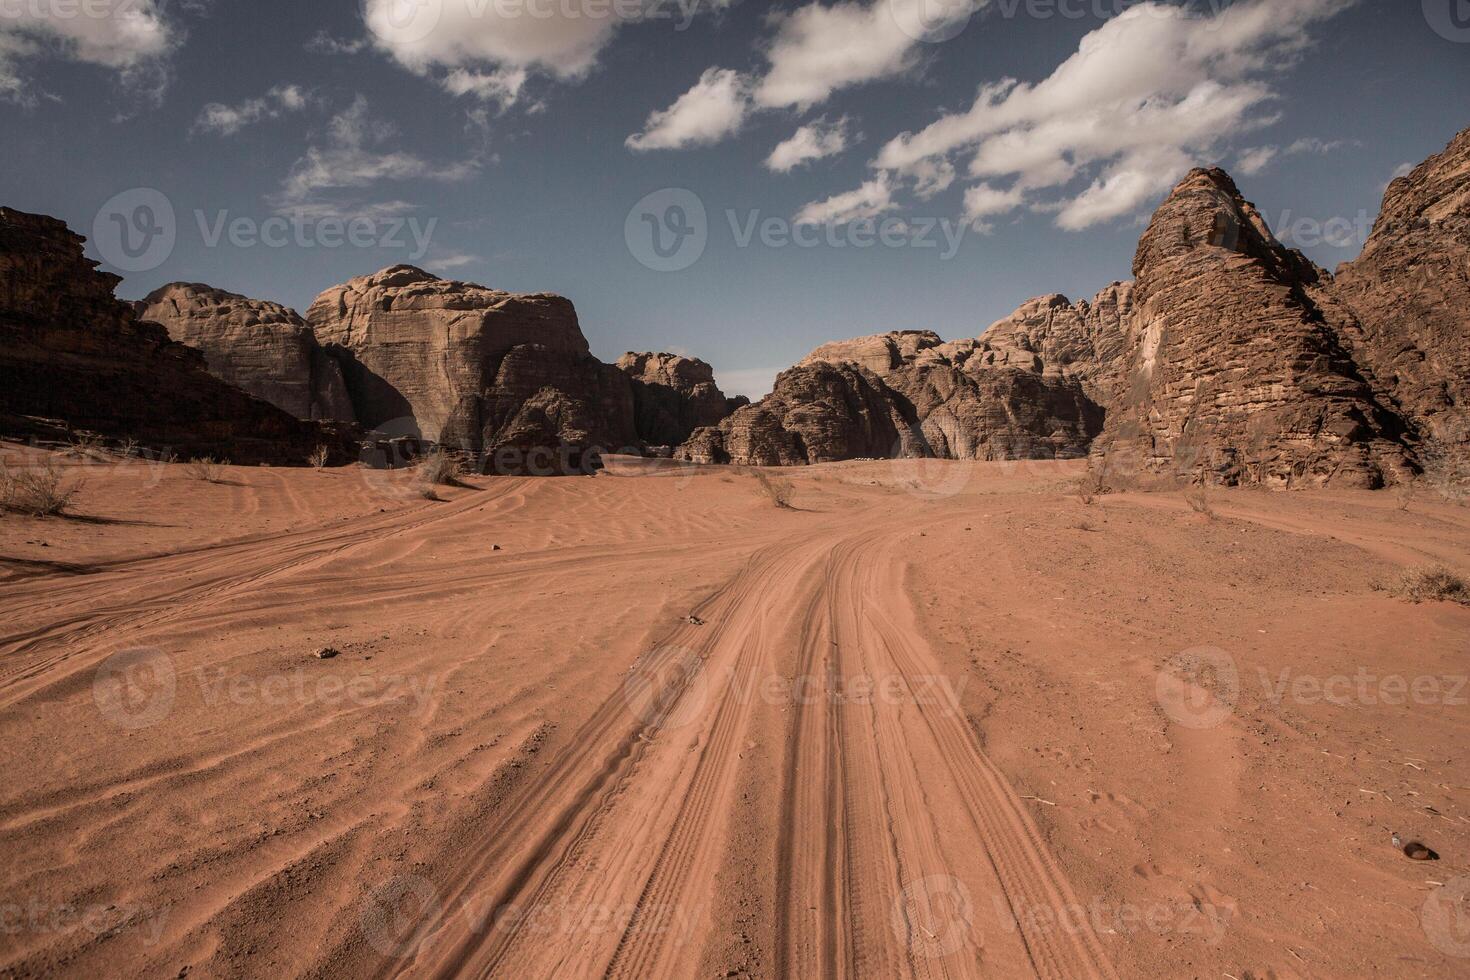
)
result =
(777, 488)
(41, 490)
(318, 458)
(440, 468)
(85, 445)
(207, 469)
(1430, 583)
(1199, 502)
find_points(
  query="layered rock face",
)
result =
(904, 394)
(1235, 374)
(472, 368)
(672, 396)
(1407, 300)
(1056, 338)
(73, 352)
(263, 348)
(816, 413)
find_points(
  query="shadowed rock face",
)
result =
(816, 413)
(673, 395)
(1235, 373)
(904, 394)
(469, 367)
(73, 352)
(264, 348)
(1406, 302)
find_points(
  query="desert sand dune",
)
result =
(930, 721)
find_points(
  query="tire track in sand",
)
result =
(902, 851)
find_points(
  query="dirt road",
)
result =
(651, 726)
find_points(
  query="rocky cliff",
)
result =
(261, 347)
(1405, 303)
(73, 352)
(672, 396)
(905, 393)
(472, 368)
(1235, 373)
(1054, 337)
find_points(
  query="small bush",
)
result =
(1199, 502)
(41, 490)
(1404, 494)
(85, 445)
(127, 448)
(777, 488)
(440, 468)
(208, 469)
(318, 458)
(1431, 583)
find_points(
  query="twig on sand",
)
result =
(1039, 800)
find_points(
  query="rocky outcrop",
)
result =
(472, 368)
(73, 352)
(1406, 303)
(904, 394)
(261, 347)
(1235, 374)
(1056, 338)
(672, 396)
(816, 413)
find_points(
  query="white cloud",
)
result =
(227, 120)
(456, 260)
(1146, 94)
(1257, 159)
(323, 42)
(1312, 144)
(984, 201)
(819, 49)
(868, 201)
(814, 141)
(554, 37)
(502, 85)
(713, 109)
(351, 158)
(130, 37)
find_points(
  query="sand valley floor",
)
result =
(935, 720)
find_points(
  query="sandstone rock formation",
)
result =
(900, 394)
(264, 348)
(473, 368)
(1235, 374)
(1407, 300)
(1052, 336)
(72, 352)
(672, 396)
(816, 413)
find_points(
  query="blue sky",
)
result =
(859, 166)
